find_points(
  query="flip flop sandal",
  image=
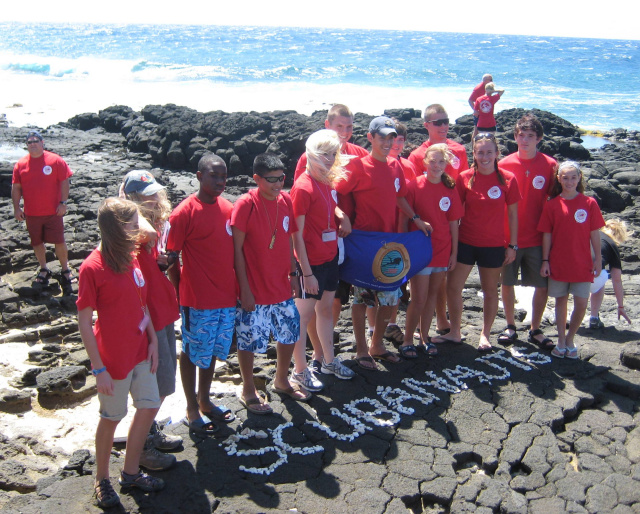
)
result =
(431, 349)
(443, 331)
(387, 357)
(545, 344)
(572, 353)
(559, 352)
(221, 414)
(394, 334)
(293, 393)
(442, 339)
(505, 338)
(43, 280)
(409, 352)
(202, 426)
(485, 349)
(368, 359)
(252, 402)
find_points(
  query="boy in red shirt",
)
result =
(436, 121)
(534, 172)
(477, 92)
(263, 222)
(483, 109)
(205, 284)
(378, 187)
(42, 179)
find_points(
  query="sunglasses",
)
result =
(273, 180)
(439, 123)
(485, 135)
(33, 141)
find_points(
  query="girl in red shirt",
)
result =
(434, 198)
(484, 191)
(570, 226)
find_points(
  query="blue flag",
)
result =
(384, 261)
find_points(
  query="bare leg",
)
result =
(455, 284)
(419, 290)
(489, 278)
(561, 320)
(442, 323)
(41, 255)
(509, 303)
(281, 380)
(104, 442)
(371, 317)
(245, 361)
(324, 325)
(205, 377)
(538, 306)
(312, 330)
(358, 314)
(136, 438)
(579, 309)
(306, 309)
(188, 377)
(596, 302)
(383, 315)
(62, 253)
(337, 309)
(435, 283)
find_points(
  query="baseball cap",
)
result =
(141, 182)
(34, 133)
(382, 125)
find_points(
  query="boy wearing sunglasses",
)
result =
(436, 121)
(263, 223)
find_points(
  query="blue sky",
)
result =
(539, 17)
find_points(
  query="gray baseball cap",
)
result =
(141, 182)
(382, 125)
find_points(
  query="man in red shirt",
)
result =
(42, 180)
(534, 172)
(478, 91)
(436, 121)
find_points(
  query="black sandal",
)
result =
(43, 280)
(106, 495)
(545, 344)
(505, 338)
(66, 281)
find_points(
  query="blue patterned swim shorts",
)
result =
(206, 334)
(254, 328)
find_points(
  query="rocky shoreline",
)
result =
(557, 437)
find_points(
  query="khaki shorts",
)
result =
(559, 289)
(529, 262)
(143, 386)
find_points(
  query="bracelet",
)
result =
(545, 260)
(96, 372)
(415, 217)
(621, 307)
(305, 276)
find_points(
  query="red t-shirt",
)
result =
(347, 149)
(267, 269)
(477, 92)
(375, 185)
(408, 169)
(484, 106)
(202, 232)
(163, 305)
(437, 205)
(317, 203)
(484, 207)
(535, 181)
(40, 180)
(118, 300)
(570, 223)
(459, 164)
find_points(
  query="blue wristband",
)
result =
(96, 372)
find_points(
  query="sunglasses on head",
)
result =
(485, 135)
(439, 123)
(273, 180)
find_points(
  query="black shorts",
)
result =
(343, 293)
(484, 256)
(327, 276)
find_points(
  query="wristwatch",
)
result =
(64, 202)
(514, 247)
(295, 273)
(415, 217)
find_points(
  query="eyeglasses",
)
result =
(33, 141)
(439, 123)
(485, 135)
(273, 180)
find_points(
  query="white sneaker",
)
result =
(307, 379)
(337, 369)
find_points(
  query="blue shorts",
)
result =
(255, 328)
(429, 270)
(206, 334)
(373, 298)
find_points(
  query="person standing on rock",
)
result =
(535, 174)
(206, 289)
(436, 121)
(484, 191)
(263, 223)
(569, 222)
(483, 109)
(378, 187)
(42, 180)
(477, 92)
(122, 347)
(140, 187)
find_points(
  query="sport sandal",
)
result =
(142, 481)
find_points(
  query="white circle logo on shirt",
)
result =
(580, 215)
(494, 193)
(486, 106)
(47, 170)
(285, 223)
(445, 203)
(455, 162)
(138, 277)
(227, 225)
(396, 184)
(334, 195)
(538, 182)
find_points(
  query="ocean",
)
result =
(50, 72)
